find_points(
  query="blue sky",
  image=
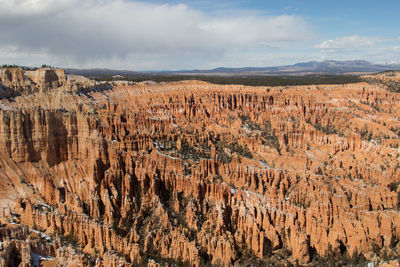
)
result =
(330, 18)
(339, 16)
(167, 35)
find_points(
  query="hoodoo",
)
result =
(198, 174)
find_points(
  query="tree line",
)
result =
(243, 80)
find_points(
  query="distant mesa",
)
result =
(312, 67)
(304, 68)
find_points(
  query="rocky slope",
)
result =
(196, 174)
(386, 79)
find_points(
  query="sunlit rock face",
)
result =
(193, 173)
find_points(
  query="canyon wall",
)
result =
(197, 174)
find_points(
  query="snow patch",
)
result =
(310, 155)
(44, 204)
(37, 258)
(264, 164)
(42, 235)
(165, 155)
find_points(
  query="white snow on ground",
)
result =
(265, 204)
(37, 258)
(254, 194)
(44, 204)
(310, 155)
(42, 235)
(165, 155)
(246, 129)
(264, 164)
(10, 196)
(4, 107)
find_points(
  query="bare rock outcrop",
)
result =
(199, 174)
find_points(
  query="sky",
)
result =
(194, 34)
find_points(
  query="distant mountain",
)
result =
(94, 72)
(304, 68)
(312, 67)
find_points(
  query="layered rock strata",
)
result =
(196, 173)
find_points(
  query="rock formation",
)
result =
(194, 173)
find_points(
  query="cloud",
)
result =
(87, 32)
(290, 8)
(348, 43)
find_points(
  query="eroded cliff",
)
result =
(199, 174)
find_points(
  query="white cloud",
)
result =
(89, 32)
(348, 43)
